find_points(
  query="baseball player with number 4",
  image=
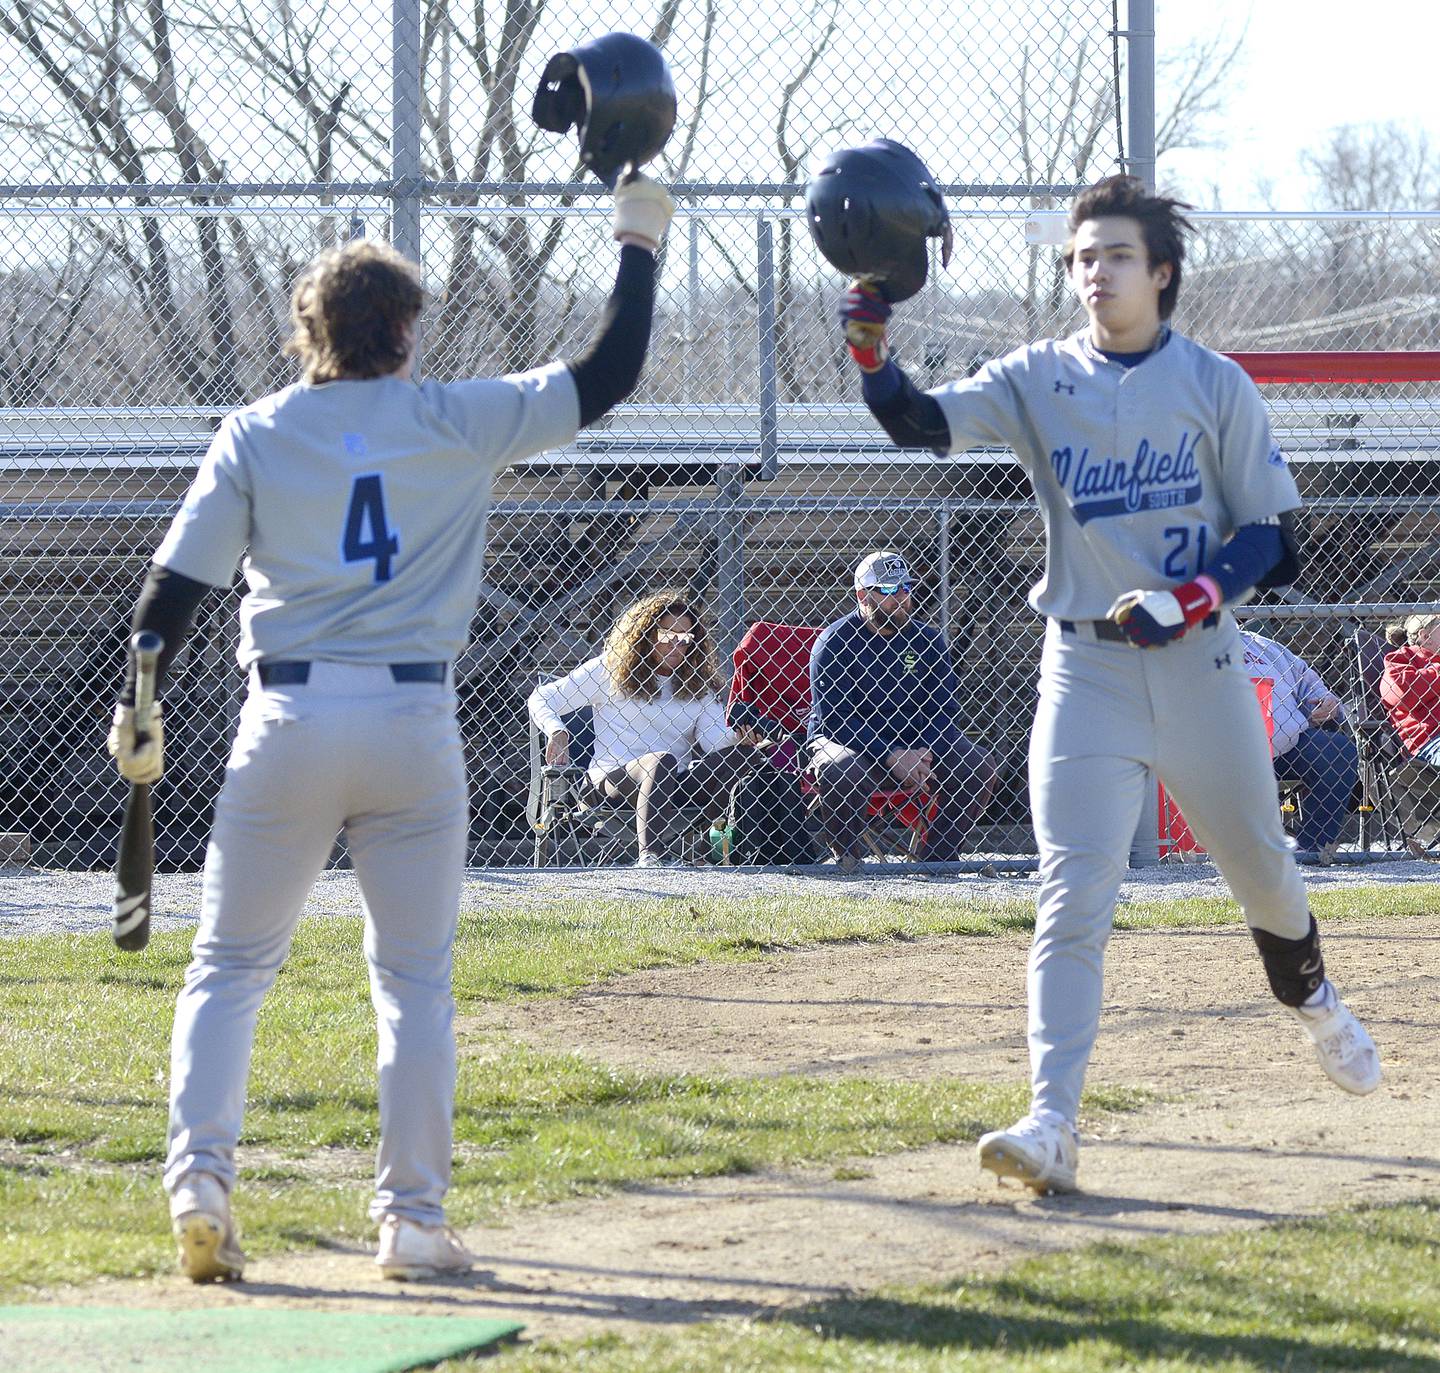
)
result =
(359, 499)
(1165, 501)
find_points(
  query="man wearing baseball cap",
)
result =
(884, 707)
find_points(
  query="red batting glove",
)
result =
(864, 313)
(1151, 619)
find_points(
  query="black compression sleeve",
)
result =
(609, 369)
(911, 417)
(167, 606)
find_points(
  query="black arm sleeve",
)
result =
(1286, 571)
(912, 418)
(167, 606)
(609, 369)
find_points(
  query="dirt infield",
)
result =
(1246, 1131)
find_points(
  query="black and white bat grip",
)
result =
(135, 859)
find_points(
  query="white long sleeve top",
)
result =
(627, 728)
(1297, 690)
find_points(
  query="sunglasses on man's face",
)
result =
(891, 589)
(673, 636)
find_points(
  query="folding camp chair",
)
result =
(567, 831)
(1399, 796)
(570, 827)
(770, 692)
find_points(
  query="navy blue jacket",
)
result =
(875, 694)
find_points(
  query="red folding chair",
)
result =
(770, 691)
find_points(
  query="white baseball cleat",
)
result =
(1041, 1152)
(1342, 1044)
(205, 1233)
(411, 1250)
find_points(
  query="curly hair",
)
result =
(1408, 630)
(630, 649)
(353, 309)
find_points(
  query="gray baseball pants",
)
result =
(350, 748)
(1109, 719)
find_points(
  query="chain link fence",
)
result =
(170, 168)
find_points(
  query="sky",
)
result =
(1306, 67)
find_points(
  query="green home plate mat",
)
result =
(61, 1339)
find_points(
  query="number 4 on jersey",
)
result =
(367, 535)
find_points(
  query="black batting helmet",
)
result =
(870, 210)
(618, 91)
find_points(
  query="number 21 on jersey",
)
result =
(1177, 561)
(367, 534)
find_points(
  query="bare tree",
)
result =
(1374, 167)
(1375, 278)
(42, 314)
(498, 269)
(118, 82)
(792, 158)
(1063, 140)
(1195, 81)
(797, 359)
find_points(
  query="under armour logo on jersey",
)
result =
(1222, 661)
(1064, 386)
(355, 445)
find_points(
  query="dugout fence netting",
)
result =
(154, 222)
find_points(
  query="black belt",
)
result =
(1108, 629)
(283, 672)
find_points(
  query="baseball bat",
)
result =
(135, 859)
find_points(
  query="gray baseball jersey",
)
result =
(338, 489)
(363, 506)
(1140, 472)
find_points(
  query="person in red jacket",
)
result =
(1410, 687)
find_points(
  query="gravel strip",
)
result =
(36, 901)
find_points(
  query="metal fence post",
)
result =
(405, 165)
(942, 520)
(730, 613)
(766, 323)
(1145, 845)
(729, 556)
(1140, 91)
(692, 299)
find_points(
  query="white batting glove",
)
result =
(643, 209)
(1152, 618)
(144, 763)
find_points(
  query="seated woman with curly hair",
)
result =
(661, 740)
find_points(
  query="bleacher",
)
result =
(767, 526)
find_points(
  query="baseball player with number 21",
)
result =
(361, 498)
(1165, 500)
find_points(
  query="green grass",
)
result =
(84, 1037)
(529, 950)
(83, 1083)
(1355, 1290)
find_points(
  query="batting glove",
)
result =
(864, 313)
(142, 763)
(1150, 619)
(643, 209)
